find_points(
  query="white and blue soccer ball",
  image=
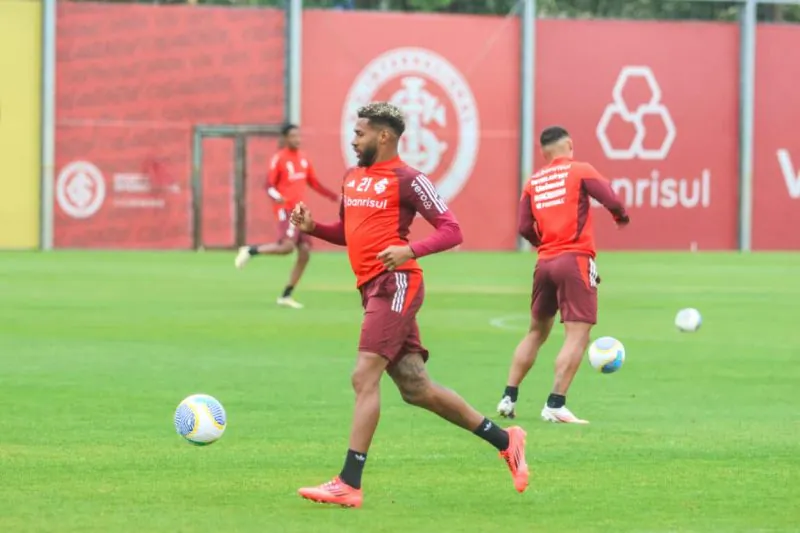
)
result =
(200, 419)
(606, 355)
(688, 319)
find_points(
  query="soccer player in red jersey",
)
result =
(290, 172)
(554, 216)
(381, 197)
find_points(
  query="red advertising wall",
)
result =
(653, 106)
(132, 80)
(457, 79)
(776, 172)
(654, 119)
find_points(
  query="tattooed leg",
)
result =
(417, 389)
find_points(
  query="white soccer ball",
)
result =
(688, 319)
(606, 355)
(200, 419)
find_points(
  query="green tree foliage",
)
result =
(638, 9)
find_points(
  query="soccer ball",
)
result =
(606, 355)
(688, 319)
(200, 419)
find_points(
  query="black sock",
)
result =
(287, 291)
(353, 468)
(493, 434)
(511, 392)
(555, 401)
(253, 250)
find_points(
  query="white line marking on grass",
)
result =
(504, 322)
(438, 289)
(519, 324)
(675, 291)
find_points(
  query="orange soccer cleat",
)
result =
(334, 492)
(514, 456)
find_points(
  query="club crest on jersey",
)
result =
(380, 187)
(437, 102)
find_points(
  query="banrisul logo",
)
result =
(636, 126)
(664, 191)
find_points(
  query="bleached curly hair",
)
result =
(384, 114)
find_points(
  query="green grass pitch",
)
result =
(697, 432)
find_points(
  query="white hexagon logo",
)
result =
(618, 107)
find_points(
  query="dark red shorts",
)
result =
(566, 283)
(391, 301)
(286, 231)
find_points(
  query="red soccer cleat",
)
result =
(334, 492)
(514, 456)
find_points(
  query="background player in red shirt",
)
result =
(380, 199)
(555, 217)
(290, 171)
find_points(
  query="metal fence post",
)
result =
(527, 87)
(48, 124)
(293, 59)
(747, 68)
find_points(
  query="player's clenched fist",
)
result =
(301, 218)
(394, 256)
(622, 221)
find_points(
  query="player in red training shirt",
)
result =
(554, 216)
(380, 199)
(290, 171)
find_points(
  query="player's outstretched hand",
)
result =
(301, 218)
(622, 222)
(394, 256)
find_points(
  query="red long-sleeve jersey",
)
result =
(290, 171)
(379, 204)
(554, 211)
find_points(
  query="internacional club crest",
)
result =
(441, 138)
(80, 189)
